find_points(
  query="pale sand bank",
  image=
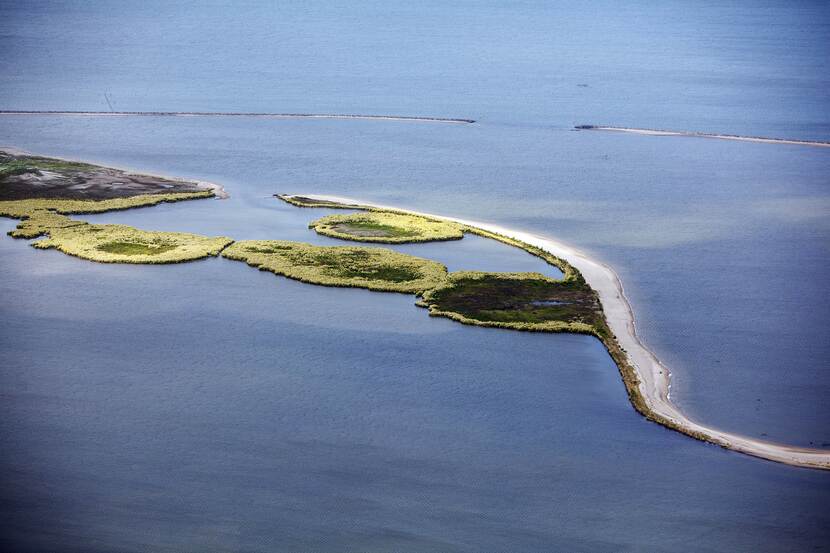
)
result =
(654, 376)
(657, 132)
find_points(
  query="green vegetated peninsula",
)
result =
(518, 301)
(44, 192)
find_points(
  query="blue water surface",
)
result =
(210, 406)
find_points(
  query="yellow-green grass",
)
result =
(40, 215)
(386, 227)
(377, 269)
(123, 244)
(40, 221)
(521, 301)
(21, 209)
(108, 243)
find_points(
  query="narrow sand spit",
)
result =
(218, 190)
(657, 132)
(653, 375)
(239, 114)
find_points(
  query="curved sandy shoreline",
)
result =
(654, 377)
(658, 132)
(264, 115)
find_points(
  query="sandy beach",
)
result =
(658, 132)
(654, 376)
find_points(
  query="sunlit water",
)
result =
(210, 406)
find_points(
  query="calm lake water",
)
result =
(210, 406)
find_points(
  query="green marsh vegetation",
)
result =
(103, 243)
(11, 165)
(107, 243)
(387, 227)
(521, 301)
(378, 269)
(123, 244)
(570, 273)
(40, 221)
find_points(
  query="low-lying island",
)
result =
(44, 192)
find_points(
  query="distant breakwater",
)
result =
(236, 114)
(660, 132)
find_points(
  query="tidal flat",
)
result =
(23, 175)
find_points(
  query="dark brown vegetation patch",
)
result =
(528, 301)
(25, 177)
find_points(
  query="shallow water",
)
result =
(273, 219)
(213, 406)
